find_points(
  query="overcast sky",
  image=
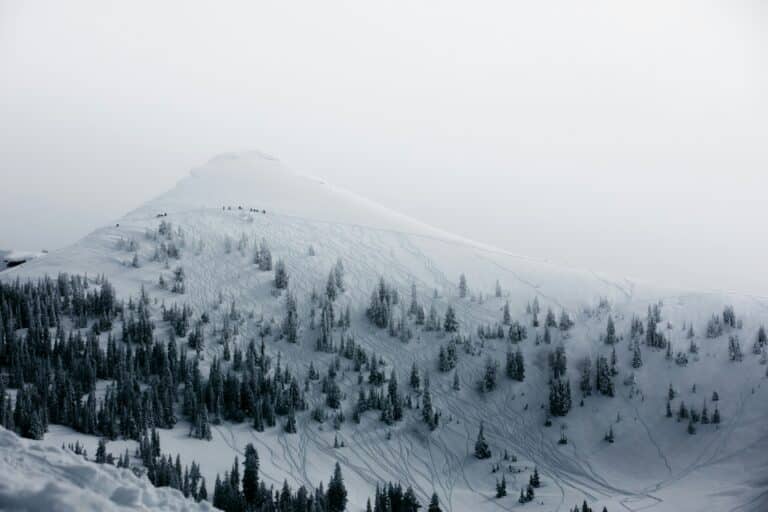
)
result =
(624, 137)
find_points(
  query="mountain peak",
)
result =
(240, 164)
(253, 155)
(254, 179)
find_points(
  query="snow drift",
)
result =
(44, 478)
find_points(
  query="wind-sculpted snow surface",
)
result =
(35, 478)
(654, 464)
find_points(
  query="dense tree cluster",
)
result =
(559, 397)
(489, 380)
(262, 257)
(515, 367)
(447, 357)
(249, 493)
(392, 498)
(383, 300)
(281, 275)
(604, 377)
(517, 332)
(163, 471)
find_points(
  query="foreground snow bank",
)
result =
(37, 477)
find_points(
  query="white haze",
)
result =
(623, 137)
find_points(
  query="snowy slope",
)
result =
(654, 465)
(45, 478)
(303, 211)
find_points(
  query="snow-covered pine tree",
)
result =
(559, 397)
(535, 481)
(463, 288)
(450, 324)
(734, 349)
(338, 274)
(482, 450)
(330, 287)
(565, 323)
(434, 504)
(281, 275)
(413, 309)
(291, 320)
(610, 332)
(415, 377)
(506, 316)
(501, 487)
(488, 382)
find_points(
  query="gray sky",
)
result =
(626, 137)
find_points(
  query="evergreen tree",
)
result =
(762, 337)
(450, 324)
(338, 275)
(427, 412)
(549, 320)
(559, 397)
(565, 321)
(482, 450)
(337, 493)
(290, 423)
(432, 323)
(610, 332)
(734, 349)
(501, 487)
(263, 257)
(506, 316)
(281, 275)
(330, 287)
(609, 435)
(529, 494)
(434, 504)
(413, 310)
(415, 378)
(202, 494)
(291, 322)
(250, 476)
(535, 480)
(101, 452)
(463, 289)
(637, 357)
(488, 382)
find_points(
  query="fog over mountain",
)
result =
(611, 136)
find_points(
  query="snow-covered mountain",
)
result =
(223, 210)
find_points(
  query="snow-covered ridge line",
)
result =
(36, 477)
